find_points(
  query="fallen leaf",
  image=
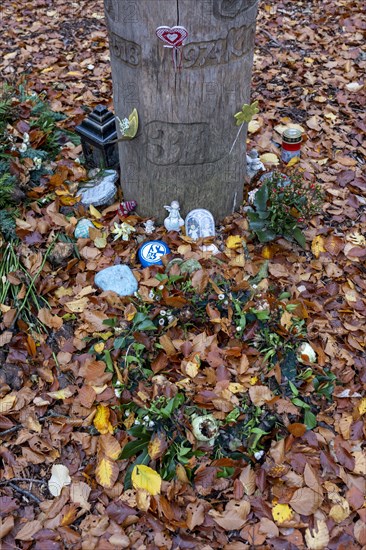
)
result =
(282, 513)
(260, 395)
(317, 246)
(233, 517)
(317, 538)
(106, 472)
(101, 420)
(144, 477)
(60, 477)
(269, 158)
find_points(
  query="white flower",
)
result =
(221, 296)
(262, 305)
(161, 322)
(117, 392)
(23, 147)
(162, 312)
(306, 350)
(151, 294)
(170, 318)
(137, 422)
(239, 329)
(37, 162)
(25, 137)
(90, 67)
(151, 424)
(161, 287)
(258, 455)
(226, 302)
(122, 231)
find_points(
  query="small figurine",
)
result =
(126, 207)
(174, 221)
(254, 164)
(149, 227)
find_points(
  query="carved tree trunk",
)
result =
(187, 125)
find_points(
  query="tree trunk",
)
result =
(187, 128)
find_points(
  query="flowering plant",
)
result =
(282, 206)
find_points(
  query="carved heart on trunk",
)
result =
(173, 36)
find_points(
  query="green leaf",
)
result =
(146, 325)
(265, 235)
(261, 198)
(309, 420)
(299, 236)
(134, 447)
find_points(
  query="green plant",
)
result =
(282, 206)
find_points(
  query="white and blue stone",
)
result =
(118, 278)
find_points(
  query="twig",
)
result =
(266, 33)
(10, 430)
(52, 414)
(21, 479)
(25, 493)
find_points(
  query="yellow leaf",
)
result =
(362, 406)
(101, 420)
(253, 380)
(94, 212)
(60, 394)
(143, 499)
(293, 161)
(317, 246)
(235, 387)
(101, 242)
(106, 472)
(181, 473)
(77, 306)
(144, 477)
(269, 158)
(99, 347)
(254, 126)
(130, 312)
(62, 291)
(192, 368)
(234, 241)
(281, 513)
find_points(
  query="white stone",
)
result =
(82, 229)
(118, 278)
(200, 224)
(101, 190)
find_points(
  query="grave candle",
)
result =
(291, 144)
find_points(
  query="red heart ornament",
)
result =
(173, 36)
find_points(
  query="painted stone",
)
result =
(101, 190)
(150, 253)
(82, 229)
(118, 278)
(199, 224)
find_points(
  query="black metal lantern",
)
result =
(97, 131)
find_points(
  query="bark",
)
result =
(187, 125)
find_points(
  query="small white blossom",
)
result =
(161, 322)
(151, 294)
(170, 318)
(23, 148)
(117, 392)
(221, 296)
(162, 312)
(161, 287)
(258, 455)
(238, 329)
(37, 162)
(151, 424)
(137, 422)
(262, 305)
(25, 137)
(226, 302)
(90, 67)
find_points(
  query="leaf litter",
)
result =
(111, 389)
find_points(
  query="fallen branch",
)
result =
(25, 493)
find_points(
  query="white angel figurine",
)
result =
(174, 221)
(254, 164)
(149, 227)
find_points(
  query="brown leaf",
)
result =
(29, 530)
(200, 280)
(305, 501)
(51, 321)
(195, 515)
(297, 429)
(233, 517)
(260, 395)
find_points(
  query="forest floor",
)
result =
(113, 388)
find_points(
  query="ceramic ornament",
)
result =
(126, 207)
(173, 37)
(200, 223)
(149, 227)
(150, 253)
(174, 221)
(82, 229)
(254, 164)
